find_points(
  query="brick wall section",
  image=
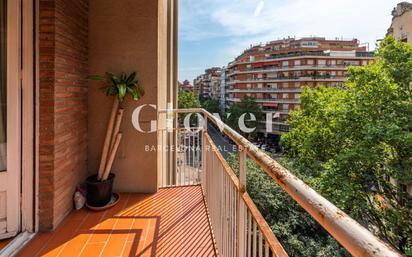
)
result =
(63, 67)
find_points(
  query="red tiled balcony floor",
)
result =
(172, 222)
(4, 243)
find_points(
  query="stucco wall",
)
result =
(402, 27)
(124, 37)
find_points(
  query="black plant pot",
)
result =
(99, 193)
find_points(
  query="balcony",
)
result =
(291, 68)
(299, 55)
(201, 209)
(275, 100)
(266, 90)
(304, 78)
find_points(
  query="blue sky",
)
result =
(214, 32)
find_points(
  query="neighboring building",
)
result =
(223, 85)
(275, 73)
(185, 86)
(207, 85)
(401, 27)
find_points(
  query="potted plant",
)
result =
(100, 186)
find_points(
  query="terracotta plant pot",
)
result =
(99, 193)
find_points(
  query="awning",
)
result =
(257, 65)
(270, 104)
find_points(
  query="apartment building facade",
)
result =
(401, 27)
(185, 86)
(223, 85)
(207, 85)
(275, 73)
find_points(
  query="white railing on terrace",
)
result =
(238, 227)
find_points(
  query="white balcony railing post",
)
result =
(241, 217)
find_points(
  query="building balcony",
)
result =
(300, 55)
(266, 100)
(291, 68)
(305, 78)
(265, 90)
(201, 209)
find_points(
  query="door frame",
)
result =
(29, 121)
(21, 71)
(21, 14)
(13, 174)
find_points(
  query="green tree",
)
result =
(297, 231)
(247, 106)
(355, 145)
(211, 105)
(187, 100)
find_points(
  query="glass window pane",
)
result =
(3, 85)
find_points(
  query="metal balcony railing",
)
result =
(239, 228)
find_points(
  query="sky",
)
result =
(214, 32)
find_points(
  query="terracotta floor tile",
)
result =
(172, 222)
(5, 242)
(91, 250)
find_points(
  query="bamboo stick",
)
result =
(111, 157)
(109, 132)
(116, 130)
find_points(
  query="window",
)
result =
(273, 96)
(260, 85)
(275, 85)
(251, 58)
(285, 63)
(310, 62)
(297, 84)
(248, 85)
(285, 85)
(321, 62)
(297, 62)
(285, 107)
(285, 96)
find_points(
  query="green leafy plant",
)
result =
(121, 85)
(118, 87)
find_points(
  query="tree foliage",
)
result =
(247, 106)
(187, 100)
(211, 105)
(297, 231)
(355, 145)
